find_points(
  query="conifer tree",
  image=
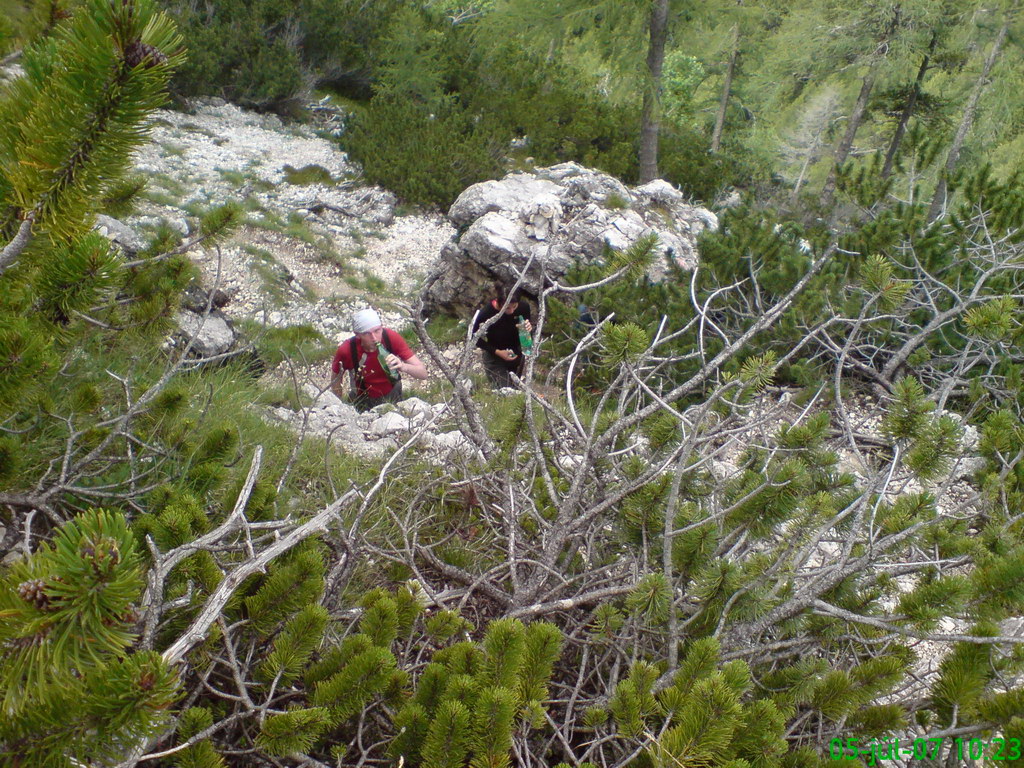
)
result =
(1009, 17)
(66, 131)
(74, 689)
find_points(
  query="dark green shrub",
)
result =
(242, 52)
(268, 53)
(424, 157)
(685, 161)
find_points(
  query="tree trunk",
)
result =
(716, 136)
(970, 110)
(650, 118)
(843, 149)
(908, 111)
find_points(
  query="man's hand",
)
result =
(393, 362)
(505, 354)
(336, 388)
(528, 325)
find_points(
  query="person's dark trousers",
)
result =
(363, 402)
(498, 372)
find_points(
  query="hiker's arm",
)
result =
(412, 367)
(336, 387)
(482, 343)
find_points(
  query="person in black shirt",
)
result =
(502, 352)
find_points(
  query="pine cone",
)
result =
(147, 680)
(139, 52)
(33, 591)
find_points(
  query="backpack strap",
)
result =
(359, 354)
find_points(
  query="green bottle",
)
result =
(382, 355)
(525, 339)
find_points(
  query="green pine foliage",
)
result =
(543, 646)
(818, 586)
(447, 742)
(293, 731)
(365, 675)
(200, 754)
(294, 646)
(88, 89)
(380, 622)
(494, 713)
(295, 583)
(409, 148)
(73, 688)
(97, 78)
(411, 725)
(504, 647)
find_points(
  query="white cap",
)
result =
(365, 320)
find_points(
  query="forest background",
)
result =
(593, 586)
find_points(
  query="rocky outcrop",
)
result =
(201, 322)
(377, 432)
(211, 334)
(544, 222)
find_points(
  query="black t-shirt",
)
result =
(503, 334)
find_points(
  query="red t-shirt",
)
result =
(373, 380)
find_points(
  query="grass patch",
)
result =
(157, 197)
(265, 219)
(282, 396)
(172, 150)
(300, 343)
(445, 330)
(297, 227)
(231, 176)
(251, 204)
(616, 202)
(275, 278)
(307, 175)
(407, 209)
(247, 177)
(366, 281)
(194, 128)
(168, 184)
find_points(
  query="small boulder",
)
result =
(211, 335)
(390, 424)
(119, 233)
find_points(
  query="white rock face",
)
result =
(516, 194)
(218, 152)
(119, 233)
(213, 334)
(418, 411)
(378, 432)
(492, 237)
(451, 442)
(551, 219)
(390, 424)
(659, 191)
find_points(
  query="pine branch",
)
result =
(11, 252)
(568, 604)
(215, 604)
(826, 609)
(195, 739)
(163, 565)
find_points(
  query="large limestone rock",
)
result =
(380, 430)
(210, 335)
(544, 222)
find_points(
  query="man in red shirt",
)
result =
(372, 382)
